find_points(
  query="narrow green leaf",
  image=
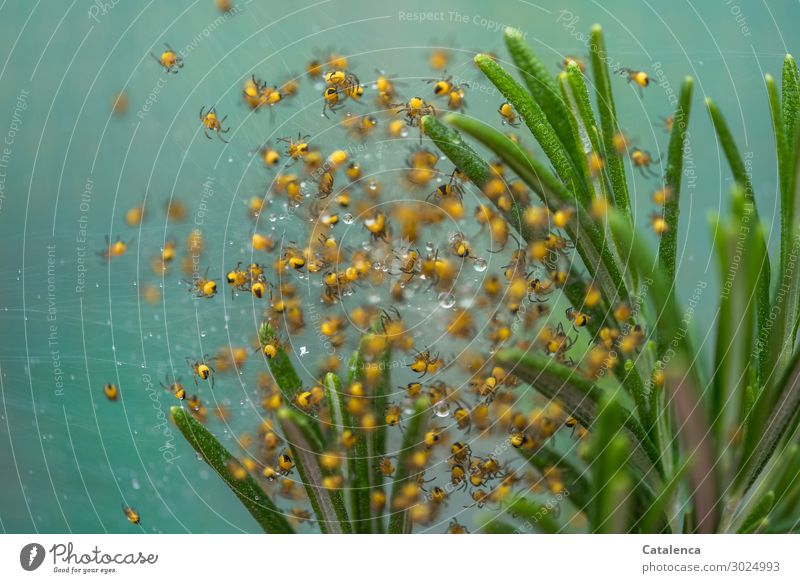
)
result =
(608, 120)
(678, 139)
(378, 436)
(544, 91)
(790, 87)
(537, 123)
(358, 460)
(741, 176)
(399, 522)
(254, 499)
(280, 365)
(336, 405)
(328, 505)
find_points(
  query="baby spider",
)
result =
(201, 369)
(506, 111)
(202, 287)
(212, 122)
(643, 160)
(426, 363)
(415, 109)
(115, 249)
(333, 99)
(453, 188)
(639, 78)
(298, 148)
(169, 59)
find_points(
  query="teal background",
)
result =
(68, 461)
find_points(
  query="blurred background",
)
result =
(71, 168)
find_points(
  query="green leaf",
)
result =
(328, 505)
(735, 329)
(608, 120)
(358, 460)
(537, 123)
(280, 366)
(399, 522)
(790, 85)
(340, 418)
(678, 139)
(254, 499)
(378, 436)
(741, 176)
(544, 91)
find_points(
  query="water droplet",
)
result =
(408, 406)
(447, 300)
(348, 219)
(480, 265)
(442, 409)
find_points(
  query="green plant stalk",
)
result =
(537, 123)
(358, 460)
(540, 83)
(578, 485)
(378, 436)
(398, 520)
(254, 499)
(328, 505)
(678, 139)
(580, 397)
(608, 120)
(741, 176)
